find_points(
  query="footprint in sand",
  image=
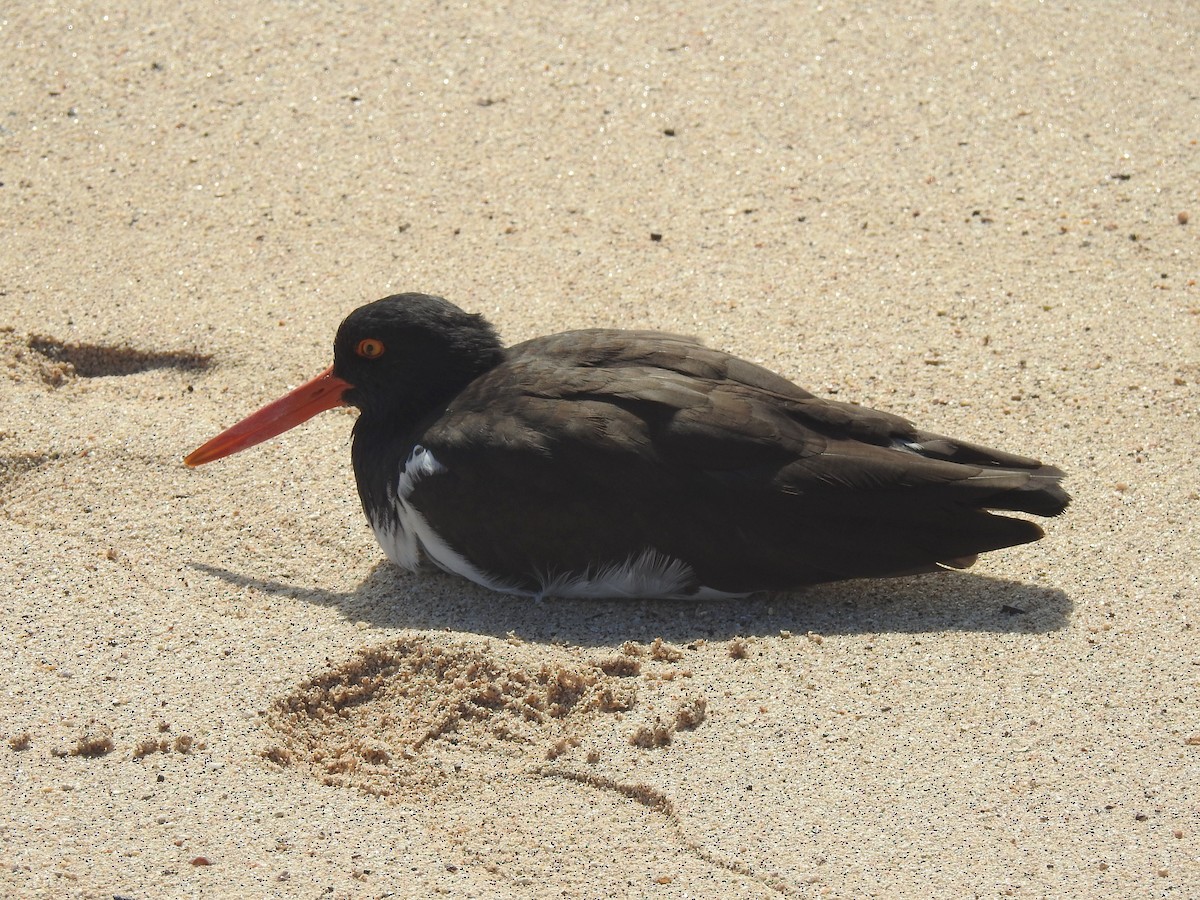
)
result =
(39, 360)
(57, 361)
(402, 719)
(422, 720)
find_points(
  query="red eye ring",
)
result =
(369, 348)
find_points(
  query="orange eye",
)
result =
(369, 348)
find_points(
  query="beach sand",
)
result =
(980, 216)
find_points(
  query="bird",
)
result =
(607, 463)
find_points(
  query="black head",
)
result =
(397, 360)
(409, 352)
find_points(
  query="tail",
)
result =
(1005, 481)
(999, 482)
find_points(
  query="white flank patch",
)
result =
(650, 575)
(908, 446)
(420, 463)
(405, 541)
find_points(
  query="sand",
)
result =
(980, 216)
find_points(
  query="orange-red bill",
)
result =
(322, 393)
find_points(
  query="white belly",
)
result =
(410, 539)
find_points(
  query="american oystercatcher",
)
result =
(607, 463)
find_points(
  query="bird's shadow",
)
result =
(389, 597)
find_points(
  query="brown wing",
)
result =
(609, 443)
